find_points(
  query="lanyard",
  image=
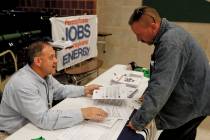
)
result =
(48, 96)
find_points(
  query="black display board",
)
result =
(8, 4)
(182, 10)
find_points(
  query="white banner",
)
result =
(82, 32)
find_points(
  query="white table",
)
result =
(30, 131)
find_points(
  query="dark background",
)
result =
(60, 7)
(182, 10)
(20, 18)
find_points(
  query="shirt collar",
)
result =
(163, 24)
(28, 68)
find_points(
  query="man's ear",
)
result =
(154, 27)
(37, 61)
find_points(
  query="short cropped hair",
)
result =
(35, 50)
(145, 10)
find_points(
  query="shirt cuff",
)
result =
(75, 114)
(136, 124)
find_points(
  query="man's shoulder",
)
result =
(20, 78)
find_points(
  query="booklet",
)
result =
(120, 91)
(128, 79)
(61, 44)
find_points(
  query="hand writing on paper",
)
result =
(90, 88)
(94, 113)
(131, 126)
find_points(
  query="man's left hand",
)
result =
(90, 88)
(131, 126)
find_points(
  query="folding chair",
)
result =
(3, 82)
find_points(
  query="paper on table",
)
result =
(114, 113)
(88, 133)
(120, 112)
(128, 79)
(108, 122)
(113, 92)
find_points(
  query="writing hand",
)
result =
(94, 113)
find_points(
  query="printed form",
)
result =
(88, 133)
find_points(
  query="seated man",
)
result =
(29, 93)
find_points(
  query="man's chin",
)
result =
(53, 73)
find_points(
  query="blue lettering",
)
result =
(72, 33)
(67, 34)
(75, 54)
(78, 32)
(87, 30)
(80, 51)
(65, 59)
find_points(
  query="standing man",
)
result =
(178, 92)
(29, 93)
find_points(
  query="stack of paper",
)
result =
(113, 92)
(127, 79)
(61, 44)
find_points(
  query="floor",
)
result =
(203, 132)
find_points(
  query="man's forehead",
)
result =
(48, 49)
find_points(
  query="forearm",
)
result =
(36, 110)
(68, 91)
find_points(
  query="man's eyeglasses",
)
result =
(138, 14)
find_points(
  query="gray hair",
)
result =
(145, 10)
(35, 50)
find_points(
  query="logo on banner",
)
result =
(77, 30)
(75, 54)
(81, 31)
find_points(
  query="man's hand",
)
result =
(141, 99)
(94, 113)
(90, 88)
(131, 126)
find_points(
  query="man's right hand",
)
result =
(141, 99)
(94, 113)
